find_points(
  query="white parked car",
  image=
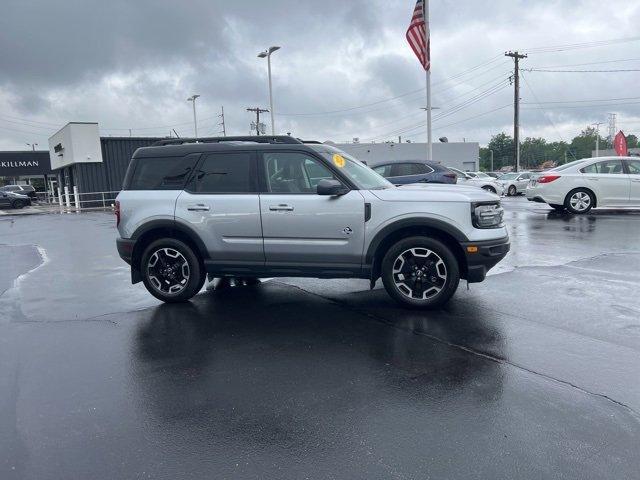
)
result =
(515, 182)
(584, 184)
(489, 184)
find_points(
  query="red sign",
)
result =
(620, 144)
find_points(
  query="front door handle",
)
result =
(635, 179)
(198, 207)
(283, 207)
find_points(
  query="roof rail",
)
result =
(248, 138)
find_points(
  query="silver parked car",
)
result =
(515, 182)
(276, 207)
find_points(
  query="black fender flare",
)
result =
(390, 229)
(172, 225)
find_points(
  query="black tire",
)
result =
(18, 204)
(557, 208)
(512, 191)
(430, 269)
(156, 284)
(579, 201)
(489, 189)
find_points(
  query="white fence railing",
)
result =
(74, 200)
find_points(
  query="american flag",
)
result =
(418, 40)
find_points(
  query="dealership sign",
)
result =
(14, 164)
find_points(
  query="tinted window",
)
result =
(161, 173)
(293, 172)
(11, 188)
(384, 170)
(402, 169)
(608, 166)
(634, 167)
(525, 176)
(224, 173)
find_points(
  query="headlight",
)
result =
(486, 215)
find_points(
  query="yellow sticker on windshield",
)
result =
(338, 160)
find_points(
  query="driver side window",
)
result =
(293, 172)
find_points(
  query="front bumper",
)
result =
(125, 248)
(486, 255)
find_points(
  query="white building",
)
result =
(463, 155)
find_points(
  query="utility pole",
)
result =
(516, 104)
(224, 129)
(258, 111)
(597, 125)
(491, 169)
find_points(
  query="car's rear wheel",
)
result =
(579, 201)
(420, 272)
(171, 270)
(19, 204)
(489, 189)
(512, 191)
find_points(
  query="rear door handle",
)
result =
(592, 178)
(283, 207)
(635, 179)
(198, 207)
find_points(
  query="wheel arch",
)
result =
(437, 229)
(156, 229)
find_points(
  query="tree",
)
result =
(502, 146)
(632, 141)
(585, 143)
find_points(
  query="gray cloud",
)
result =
(131, 64)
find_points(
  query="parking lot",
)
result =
(531, 374)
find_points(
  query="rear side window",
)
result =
(402, 169)
(161, 173)
(608, 166)
(229, 172)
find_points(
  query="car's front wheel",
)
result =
(579, 201)
(512, 191)
(171, 270)
(19, 204)
(420, 272)
(489, 189)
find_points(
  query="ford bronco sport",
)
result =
(273, 206)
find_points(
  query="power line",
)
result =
(582, 71)
(590, 63)
(584, 101)
(582, 45)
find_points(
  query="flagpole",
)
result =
(426, 40)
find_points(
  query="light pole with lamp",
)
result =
(192, 98)
(267, 53)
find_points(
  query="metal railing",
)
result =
(76, 201)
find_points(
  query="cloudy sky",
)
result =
(344, 70)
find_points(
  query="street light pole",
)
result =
(192, 98)
(267, 53)
(491, 170)
(33, 146)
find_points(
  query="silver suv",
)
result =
(278, 207)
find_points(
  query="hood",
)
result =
(435, 193)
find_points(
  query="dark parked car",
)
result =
(13, 200)
(27, 190)
(403, 173)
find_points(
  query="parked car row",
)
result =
(27, 190)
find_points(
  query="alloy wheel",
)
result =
(580, 201)
(419, 273)
(168, 271)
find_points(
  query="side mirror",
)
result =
(329, 186)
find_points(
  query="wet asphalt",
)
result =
(534, 373)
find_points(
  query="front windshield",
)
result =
(361, 175)
(509, 176)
